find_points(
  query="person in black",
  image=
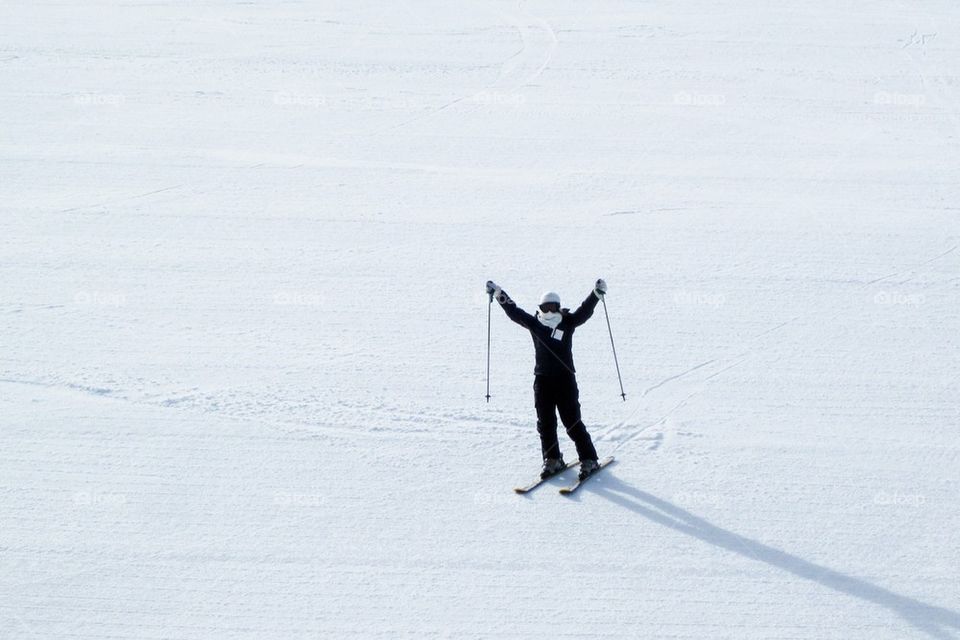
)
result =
(555, 382)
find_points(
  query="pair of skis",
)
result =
(565, 490)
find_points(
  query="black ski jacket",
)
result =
(554, 347)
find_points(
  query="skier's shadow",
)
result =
(938, 622)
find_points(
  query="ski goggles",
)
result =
(548, 307)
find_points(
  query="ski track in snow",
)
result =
(638, 432)
(243, 321)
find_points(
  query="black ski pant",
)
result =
(560, 394)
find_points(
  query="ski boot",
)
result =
(552, 466)
(587, 468)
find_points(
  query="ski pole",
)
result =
(623, 395)
(489, 307)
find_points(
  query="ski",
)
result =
(568, 490)
(539, 481)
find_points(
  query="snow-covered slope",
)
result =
(243, 248)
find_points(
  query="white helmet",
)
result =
(550, 296)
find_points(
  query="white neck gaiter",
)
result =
(549, 319)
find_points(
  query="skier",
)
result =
(555, 382)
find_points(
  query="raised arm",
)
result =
(510, 307)
(583, 313)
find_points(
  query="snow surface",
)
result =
(243, 327)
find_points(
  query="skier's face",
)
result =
(548, 307)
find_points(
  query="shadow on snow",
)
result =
(938, 622)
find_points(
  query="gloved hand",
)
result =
(493, 289)
(600, 288)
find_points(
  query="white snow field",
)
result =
(243, 248)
